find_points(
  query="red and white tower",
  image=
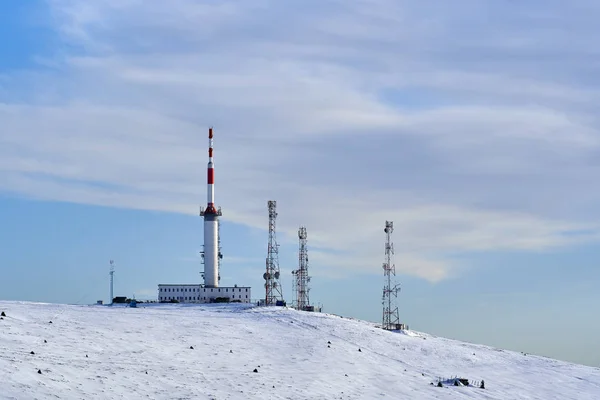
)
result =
(211, 214)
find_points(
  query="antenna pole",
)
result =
(112, 277)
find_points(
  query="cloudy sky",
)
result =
(471, 125)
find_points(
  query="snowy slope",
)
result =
(145, 353)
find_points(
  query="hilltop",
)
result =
(212, 351)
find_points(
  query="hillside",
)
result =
(99, 352)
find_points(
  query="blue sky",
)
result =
(473, 127)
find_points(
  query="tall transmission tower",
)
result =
(301, 277)
(273, 294)
(112, 280)
(391, 321)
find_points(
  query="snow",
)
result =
(144, 352)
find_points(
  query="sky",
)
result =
(471, 125)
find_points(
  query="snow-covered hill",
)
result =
(211, 351)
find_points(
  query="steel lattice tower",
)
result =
(301, 277)
(271, 276)
(391, 320)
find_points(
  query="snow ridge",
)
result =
(211, 352)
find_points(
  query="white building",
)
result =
(200, 294)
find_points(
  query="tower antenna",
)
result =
(273, 295)
(301, 278)
(391, 321)
(211, 252)
(112, 280)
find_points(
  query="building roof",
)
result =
(199, 284)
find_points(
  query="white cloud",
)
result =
(347, 114)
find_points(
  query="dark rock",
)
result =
(360, 350)
(50, 322)
(86, 356)
(191, 347)
(231, 351)
(2, 314)
(328, 342)
(255, 370)
(39, 371)
(482, 386)
(45, 341)
(440, 384)
(32, 352)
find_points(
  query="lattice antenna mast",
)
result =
(301, 277)
(112, 280)
(271, 276)
(391, 319)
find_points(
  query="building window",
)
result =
(211, 290)
(246, 289)
(227, 290)
(246, 296)
(219, 290)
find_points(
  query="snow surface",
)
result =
(135, 353)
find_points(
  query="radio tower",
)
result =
(211, 253)
(112, 280)
(301, 277)
(273, 294)
(391, 321)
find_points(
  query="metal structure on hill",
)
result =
(301, 299)
(273, 293)
(390, 320)
(112, 280)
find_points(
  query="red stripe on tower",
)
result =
(211, 176)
